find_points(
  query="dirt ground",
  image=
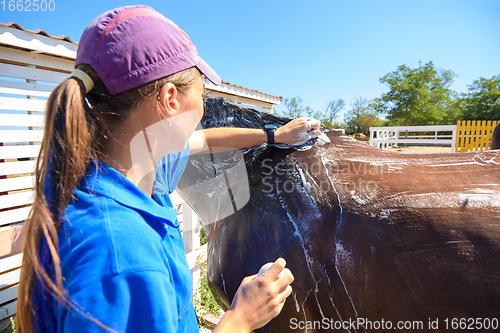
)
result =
(420, 149)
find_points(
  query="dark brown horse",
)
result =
(375, 240)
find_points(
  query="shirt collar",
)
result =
(102, 179)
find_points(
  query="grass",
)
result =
(203, 236)
(204, 301)
(11, 328)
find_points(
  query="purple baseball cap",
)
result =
(134, 45)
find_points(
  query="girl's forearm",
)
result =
(230, 323)
(215, 140)
(227, 138)
(234, 137)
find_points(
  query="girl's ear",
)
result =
(168, 100)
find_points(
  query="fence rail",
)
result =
(467, 135)
(384, 137)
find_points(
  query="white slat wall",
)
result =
(30, 66)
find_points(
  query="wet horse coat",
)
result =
(369, 235)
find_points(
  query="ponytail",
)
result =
(64, 156)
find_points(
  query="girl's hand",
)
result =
(298, 131)
(258, 300)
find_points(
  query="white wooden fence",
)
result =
(30, 66)
(29, 69)
(383, 137)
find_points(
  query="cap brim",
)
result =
(208, 72)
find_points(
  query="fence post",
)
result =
(486, 129)
(454, 138)
(191, 229)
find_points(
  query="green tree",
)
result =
(454, 109)
(295, 107)
(482, 101)
(333, 108)
(417, 96)
(361, 117)
(328, 116)
(315, 114)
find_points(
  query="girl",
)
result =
(100, 253)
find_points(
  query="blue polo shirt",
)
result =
(122, 260)
(167, 175)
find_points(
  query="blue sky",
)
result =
(318, 50)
